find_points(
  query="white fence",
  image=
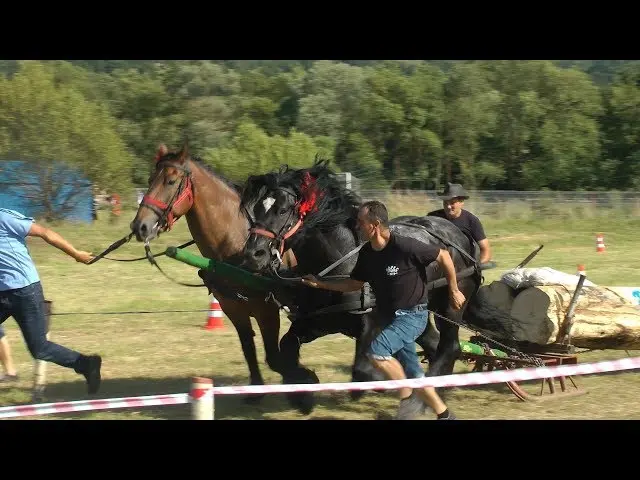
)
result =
(501, 204)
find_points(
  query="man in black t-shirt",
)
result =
(453, 202)
(392, 264)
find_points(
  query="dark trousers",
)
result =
(26, 305)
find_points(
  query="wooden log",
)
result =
(489, 310)
(632, 294)
(603, 319)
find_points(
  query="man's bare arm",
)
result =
(485, 251)
(456, 297)
(53, 238)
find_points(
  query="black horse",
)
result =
(310, 211)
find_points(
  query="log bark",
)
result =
(602, 318)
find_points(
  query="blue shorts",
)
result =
(399, 339)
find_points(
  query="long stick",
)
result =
(529, 257)
(569, 316)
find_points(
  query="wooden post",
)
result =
(201, 398)
(40, 366)
(570, 311)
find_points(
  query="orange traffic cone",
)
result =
(214, 320)
(599, 243)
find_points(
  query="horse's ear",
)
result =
(162, 151)
(249, 194)
(319, 160)
(184, 153)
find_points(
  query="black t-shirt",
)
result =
(467, 222)
(396, 273)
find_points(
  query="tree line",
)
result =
(509, 125)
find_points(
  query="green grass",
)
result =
(146, 354)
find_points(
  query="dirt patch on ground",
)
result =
(519, 237)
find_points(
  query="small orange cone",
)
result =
(599, 243)
(581, 270)
(214, 320)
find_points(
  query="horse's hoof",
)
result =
(254, 398)
(363, 376)
(37, 395)
(356, 394)
(304, 402)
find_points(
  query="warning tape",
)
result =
(86, 405)
(455, 380)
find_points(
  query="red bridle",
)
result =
(270, 234)
(183, 194)
(304, 205)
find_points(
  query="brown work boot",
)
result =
(411, 407)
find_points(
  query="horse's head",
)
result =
(280, 202)
(170, 195)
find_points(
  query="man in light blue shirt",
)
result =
(21, 294)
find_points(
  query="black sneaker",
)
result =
(89, 366)
(451, 416)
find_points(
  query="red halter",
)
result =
(183, 194)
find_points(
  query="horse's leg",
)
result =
(430, 338)
(269, 322)
(363, 370)
(239, 316)
(293, 371)
(429, 341)
(449, 347)
(306, 330)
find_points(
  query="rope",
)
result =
(129, 312)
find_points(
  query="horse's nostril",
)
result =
(259, 253)
(143, 228)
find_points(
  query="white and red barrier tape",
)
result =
(455, 380)
(85, 405)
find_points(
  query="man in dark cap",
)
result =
(453, 199)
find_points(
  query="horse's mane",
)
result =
(209, 169)
(327, 202)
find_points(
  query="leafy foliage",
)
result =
(564, 125)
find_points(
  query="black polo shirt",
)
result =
(397, 272)
(467, 222)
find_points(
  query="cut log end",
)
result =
(603, 319)
(532, 312)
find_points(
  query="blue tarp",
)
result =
(29, 187)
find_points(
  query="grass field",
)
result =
(146, 354)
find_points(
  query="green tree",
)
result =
(42, 123)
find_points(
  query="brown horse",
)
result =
(183, 186)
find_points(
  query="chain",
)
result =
(534, 360)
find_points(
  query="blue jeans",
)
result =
(26, 305)
(399, 337)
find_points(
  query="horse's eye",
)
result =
(171, 182)
(283, 211)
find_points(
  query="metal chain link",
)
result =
(534, 360)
